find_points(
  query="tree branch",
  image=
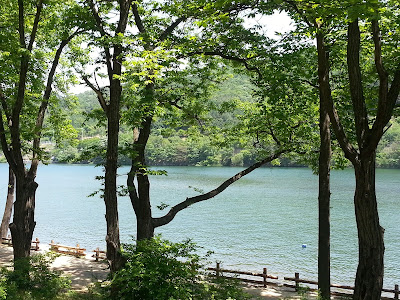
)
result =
(21, 23)
(124, 12)
(99, 94)
(35, 25)
(3, 141)
(138, 20)
(300, 12)
(171, 28)
(327, 101)
(45, 102)
(230, 57)
(103, 33)
(5, 106)
(157, 222)
(355, 82)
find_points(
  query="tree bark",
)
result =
(369, 278)
(114, 62)
(110, 186)
(324, 281)
(140, 197)
(24, 212)
(5, 223)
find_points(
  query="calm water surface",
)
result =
(260, 221)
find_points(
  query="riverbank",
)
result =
(85, 271)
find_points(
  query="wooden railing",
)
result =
(338, 290)
(76, 251)
(8, 241)
(220, 272)
(99, 254)
(336, 287)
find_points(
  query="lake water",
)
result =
(260, 221)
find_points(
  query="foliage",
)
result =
(159, 269)
(42, 282)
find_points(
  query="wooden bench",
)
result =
(8, 241)
(99, 254)
(75, 251)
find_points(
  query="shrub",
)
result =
(157, 269)
(38, 281)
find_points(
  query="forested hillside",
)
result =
(186, 146)
(169, 145)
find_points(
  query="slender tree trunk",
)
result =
(324, 193)
(140, 197)
(5, 223)
(324, 281)
(23, 223)
(110, 189)
(369, 278)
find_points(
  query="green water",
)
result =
(261, 221)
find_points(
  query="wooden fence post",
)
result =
(265, 277)
(297, 278)
(217, 270)
(37, 244)
(396, 291)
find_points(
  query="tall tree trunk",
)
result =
(23, 223)
(369, 278)
(324, 194)
(110, 188)
(5, 223)
(324, 281)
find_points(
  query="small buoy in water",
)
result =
(304, 246)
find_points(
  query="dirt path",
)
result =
(85, 270)
(82, 271)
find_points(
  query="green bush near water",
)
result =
(42, 282)
(157, 269)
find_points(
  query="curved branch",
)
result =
(103, 33)
(326, 98)
(3, 142)
(35, 25)
(138, 20)
(5, 106)
(99, 94)
(230, 57)
(189, 201)
(45, 101)
(171, 28)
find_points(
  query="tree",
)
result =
(318, 29)
(113, 51)
(372, 91)
(5, 222)
(22, 107)
(179, 87)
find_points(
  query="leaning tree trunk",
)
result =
(5, 223)
(140, 197)
(369, 278)
(23, 223)
(144, 220)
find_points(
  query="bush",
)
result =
(157, 269)
(38, 281)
